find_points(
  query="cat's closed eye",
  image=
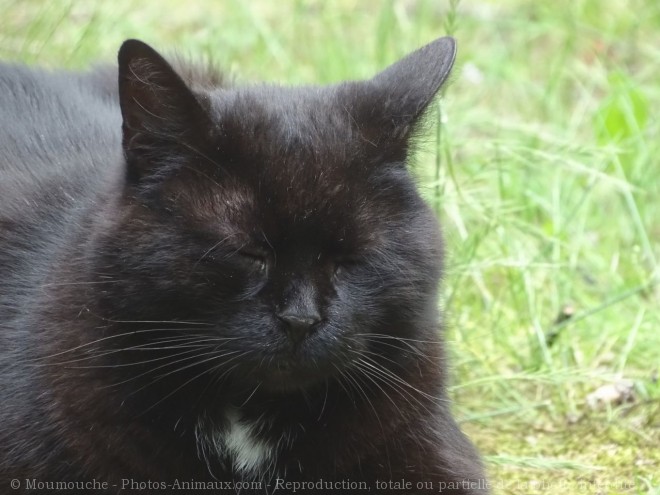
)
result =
(249, 256)
(344, 265)
(255, 260)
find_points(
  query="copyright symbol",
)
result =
(15, 484)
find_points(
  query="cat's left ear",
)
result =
(163, 121)
(400, 94)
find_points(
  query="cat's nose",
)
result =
(297, 326)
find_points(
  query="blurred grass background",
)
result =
(543, 165)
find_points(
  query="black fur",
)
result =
(213, 256)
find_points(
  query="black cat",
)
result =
(213, 287)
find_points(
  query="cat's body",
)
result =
(239, 286)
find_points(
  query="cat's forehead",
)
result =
(297, 121)
(300, 211)
(301, 140)
(303, 204)
(297, 163)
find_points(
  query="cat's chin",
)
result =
(285, 380)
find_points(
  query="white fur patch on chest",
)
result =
(249, 454)
(236, 440)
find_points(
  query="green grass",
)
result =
(545, 171)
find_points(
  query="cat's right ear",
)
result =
(390, 106)
(163, 121)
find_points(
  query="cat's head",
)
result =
(282, 222)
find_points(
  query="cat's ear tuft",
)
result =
(407, 87)
(161, 115)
